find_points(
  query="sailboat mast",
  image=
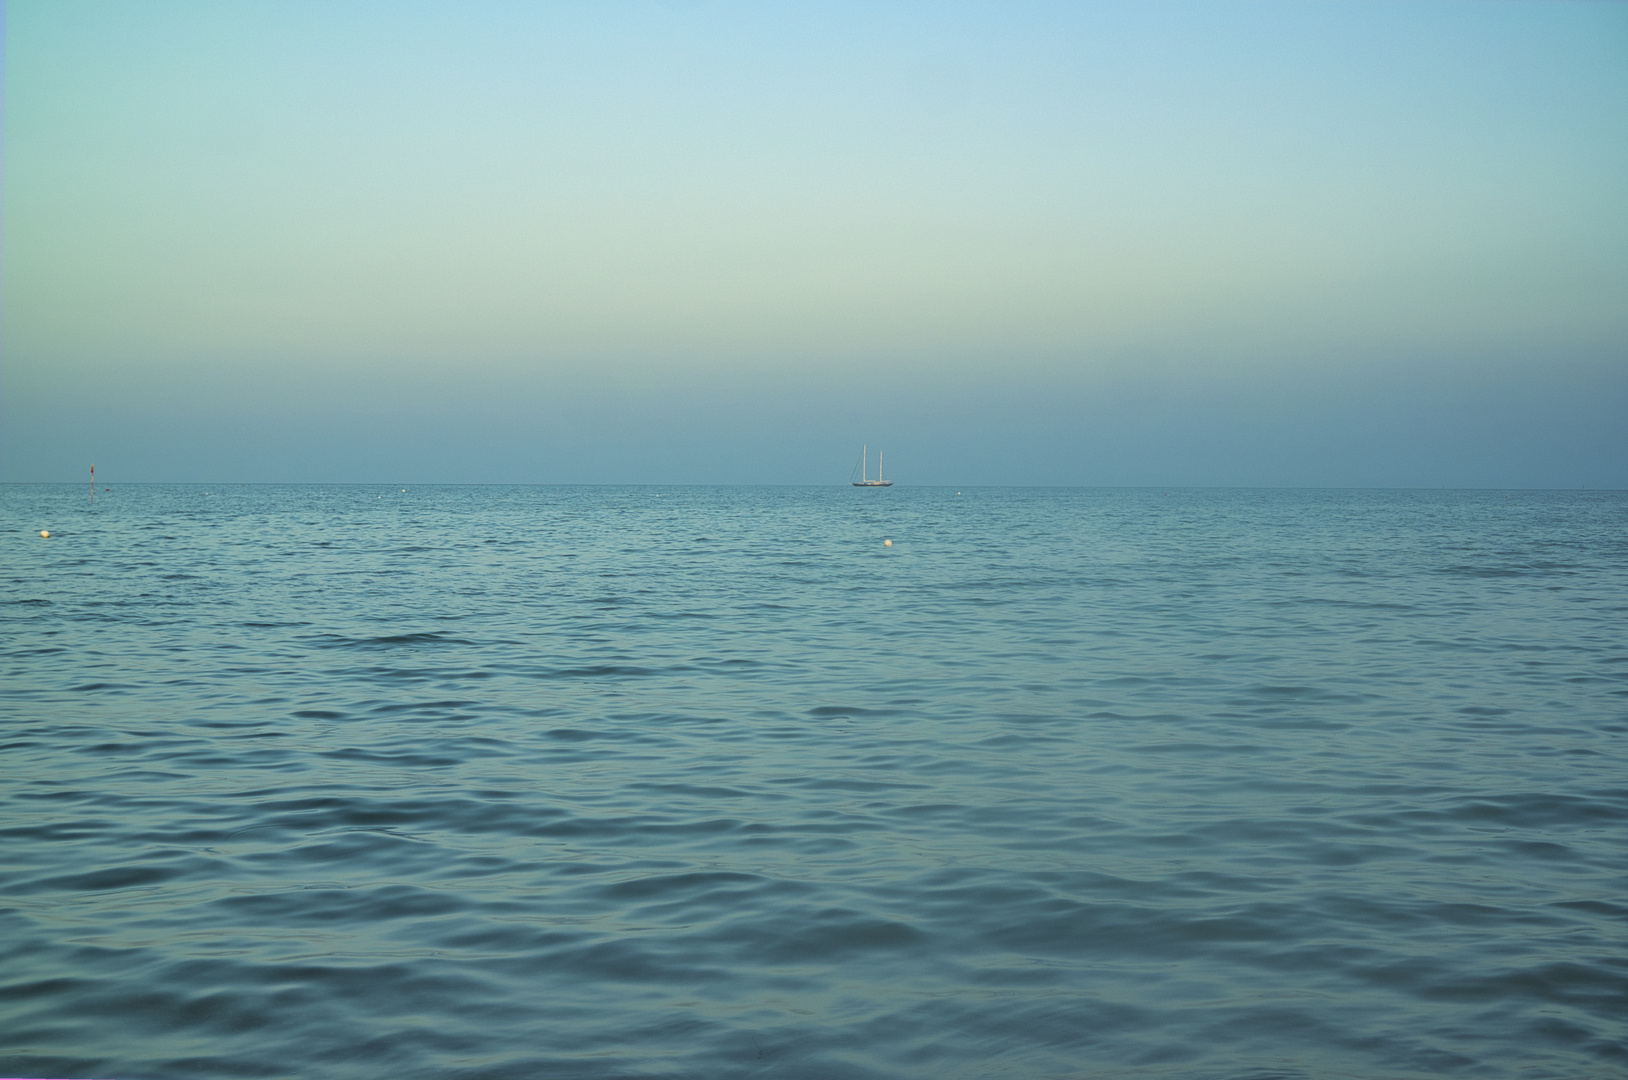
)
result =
(878, 465)
(864, 460)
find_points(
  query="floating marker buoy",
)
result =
(46, 533)
(887, 543)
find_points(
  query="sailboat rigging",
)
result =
(864, 466)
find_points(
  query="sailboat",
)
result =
(864, 464)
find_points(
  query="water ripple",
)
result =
(706, 783)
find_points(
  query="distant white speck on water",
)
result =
(45, 533)
(887, 543)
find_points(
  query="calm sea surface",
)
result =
(355, 782)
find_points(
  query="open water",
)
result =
(574, 782)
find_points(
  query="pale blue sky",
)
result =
(1196, 243)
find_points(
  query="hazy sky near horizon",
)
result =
(1133, 243)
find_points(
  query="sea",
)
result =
(812, 782)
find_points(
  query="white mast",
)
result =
(878, 466)
(864, 460)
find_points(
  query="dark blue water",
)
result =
(708, 782)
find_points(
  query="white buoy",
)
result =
(887, 543)
(46, 533)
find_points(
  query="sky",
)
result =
(1220, 243)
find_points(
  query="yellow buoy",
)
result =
(887, 543)
(46, 533)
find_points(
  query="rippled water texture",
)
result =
(634, 782)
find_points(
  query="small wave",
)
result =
(336, 641)
(596, 671)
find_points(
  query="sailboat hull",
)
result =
(871, 483)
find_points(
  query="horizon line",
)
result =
(635, 483)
